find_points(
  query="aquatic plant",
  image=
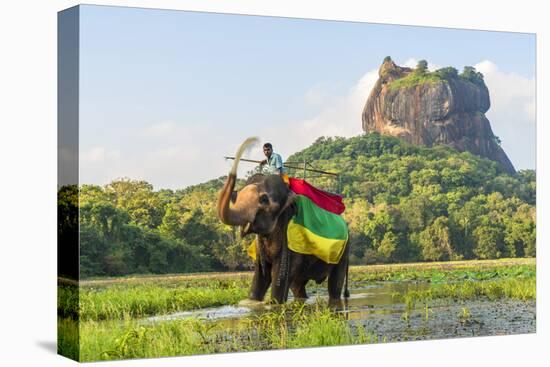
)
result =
(520, 289)
(295, 325)
(111, 309)
(464, 316)
(146, 300)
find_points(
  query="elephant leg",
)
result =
(280, 275)
(297, 280)
(298, 288)
(260, 282)
(337, 277)
(335, 283)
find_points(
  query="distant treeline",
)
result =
(404, 203)
(126, 228)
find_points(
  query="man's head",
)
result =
(268, 149)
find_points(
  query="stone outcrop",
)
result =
(437, 108)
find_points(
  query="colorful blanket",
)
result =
(317, 229)
(323, 199)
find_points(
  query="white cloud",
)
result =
(512, 112)
(160, 130)
(337, 115)
(530, 109)
(412, 62)
(509, 92)
(169, 154)
(99, 154)
(174, 154)
(317, 95)
(180, 154)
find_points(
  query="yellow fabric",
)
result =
(251, 251)
(285, 179)
(305, 242)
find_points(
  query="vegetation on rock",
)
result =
(420, 75)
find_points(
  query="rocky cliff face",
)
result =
(437, 108)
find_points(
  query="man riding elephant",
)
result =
(267, 207)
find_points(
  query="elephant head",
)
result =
(258, 205)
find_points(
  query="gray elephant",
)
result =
(264, 206)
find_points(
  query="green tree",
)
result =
(387, 246)
(404, 203)
(422, 67)
(138, 200)
(356, 215)
(435, 241)
(469, 73)
(489, 243)
(520, 232)
(447, 73)
(67, 231)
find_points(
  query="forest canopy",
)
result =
(404, 203)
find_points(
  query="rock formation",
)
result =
(434, 108)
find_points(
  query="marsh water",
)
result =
(374, 306)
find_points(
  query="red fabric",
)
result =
(326, 200)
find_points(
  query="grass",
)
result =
(68, 338)
(205, 279)
(111, 310)
(138, 297)
(323, 327)
(289, 326)
(442, 274)
(523, 289)
(146, 300)
(413, 79)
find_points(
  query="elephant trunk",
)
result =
(245, 207)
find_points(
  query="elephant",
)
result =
(264, 206)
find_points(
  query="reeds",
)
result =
(117, 302)
(293, 325)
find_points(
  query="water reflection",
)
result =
(376, 307)
(365, 299)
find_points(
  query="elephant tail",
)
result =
(346, 290)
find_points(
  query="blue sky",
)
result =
(164, 95)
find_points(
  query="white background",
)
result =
(28, 149)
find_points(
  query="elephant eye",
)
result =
(264, 199)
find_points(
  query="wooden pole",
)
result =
(290, 166)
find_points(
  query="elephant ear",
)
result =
(290, 200)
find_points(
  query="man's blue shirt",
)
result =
(275, 163)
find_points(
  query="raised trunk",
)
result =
(245, 208)
(224, 212)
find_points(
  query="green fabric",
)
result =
(319, 221)
(314, 231)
